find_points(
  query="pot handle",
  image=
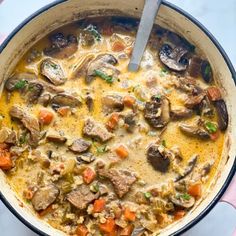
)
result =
(230, 194)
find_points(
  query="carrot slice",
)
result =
(99, 205)
(45, 117)
(127, 231)
(214, 93)
(118, 46)
(109, 226)
(112, 121)
(195, 190)
(129, 215)
(179, 214)
(122, 151)
(129, 101)
(5, 159)
(82, 230)
(88, 175)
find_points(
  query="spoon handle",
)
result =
(145, 27)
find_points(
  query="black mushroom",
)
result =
(104, 63)
(174, 57)
(113, 102)
(80, 145)
(183, 200)
(44, 197)
(96, 130)
(190, 166)
(195, 130)
(30, 122)
(53, 72)
(61, 47)
(64, 99)
(157, 111)
(222, 114)
(157, 158)
(180, 113)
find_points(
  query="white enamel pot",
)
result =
(62, 12)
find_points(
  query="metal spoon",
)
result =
(145, 27)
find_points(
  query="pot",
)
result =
(62, 12)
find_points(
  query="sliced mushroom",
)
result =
(194, 100)
(104, 63)
(130, 121)
(85, 158)
(206, 107)
(112, 103)
(44, 99)
(194, 130)
(181, 113)
(89, 102)
(222, 114)
(53, 72)
(34, 91)
(56, 138)
(80, 145)
(174, 57)
(138, 231)
(44, 197)
(61, 47)
(182, 201)
(158, 161)
(190, 166)
(157, 111)
(63, 99)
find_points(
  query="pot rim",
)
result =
(226, 59)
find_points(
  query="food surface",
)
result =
(95, 149)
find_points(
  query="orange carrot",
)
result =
(5, 159)
(127, 231)
(122, 152)
(4, 146)
(45, 117)
(82, 230)
(118, 46)
(46, 211)
(215, 136)
(99, 205)
(129, 215)
(179, 214)
(129, 101)
(195, 190)
(112, 121)
(88, 175)
(213, 93)
(109, 226)
(63, 111)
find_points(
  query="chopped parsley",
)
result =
(21, 84)
(185, 196)
(93, 30)
(101, 149)
(164, 72)
(94, 188)
(163, 142)
(23, 138)
(158, 96)
(107, 78)
(211, 127)
(147, 195)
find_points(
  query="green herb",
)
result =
(163, 142)
(211, 127)
(101, 149)
(107, 78)
(21, 84)
(94, 188)
(185, 196)
(23, 138)
(158, 96)
(93, 30)
(54, 66)
(164, 72)
(147, 195)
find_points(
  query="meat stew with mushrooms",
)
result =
(94, 149)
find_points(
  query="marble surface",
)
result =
(220, 18)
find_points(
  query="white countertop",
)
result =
(220, 18)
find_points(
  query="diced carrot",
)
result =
(215, 136)
(179, 214)
(122, 151)
(128, 50)
(195, 190)
(127, 231)
(88, 175)
(45, 117)
(214, 93)
(4, 146)
(82, 230)
(129, 215)
(28, 194)
(5, 159)
(99, 205)
(129, 101)
(161, 218)
(112, 121)
(63, 111)
(109, 226)
(118, 46)
(46, 211)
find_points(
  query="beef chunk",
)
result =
(80, 145)
(96, 130)
(81, 197)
